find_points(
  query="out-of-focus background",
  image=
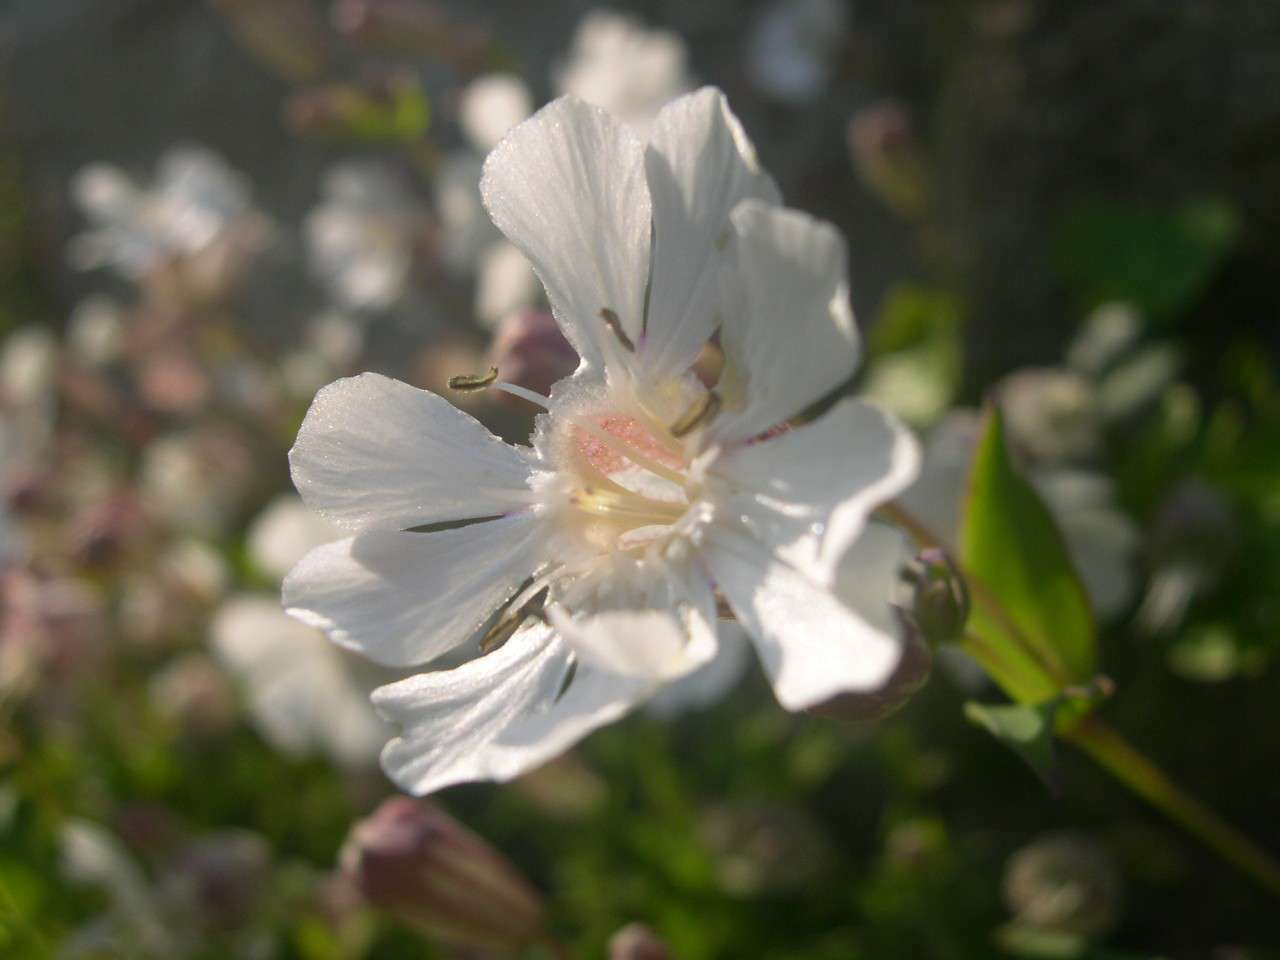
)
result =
(208, 210)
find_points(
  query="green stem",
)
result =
(1118, 757)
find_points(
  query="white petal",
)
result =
(405, 598)
(811, 645)
(499, 716)
(567, 187)
(375, 453)
(710, 682)
(808, 492)
(646, 617)
(700, 165)
(790, 340)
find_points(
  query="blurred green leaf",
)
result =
(1030, 612)
(1160, 261)
(1027, 730)
(917, 353)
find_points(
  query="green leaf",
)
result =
(1160, 261)
(1027, 730)
(1030, 616)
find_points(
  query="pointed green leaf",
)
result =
(1031, 617)
(1027, 730)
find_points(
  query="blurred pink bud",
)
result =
(285, 34)
(100, 533)
(888, 157)
(635, 941)
(221, 878)
(419, 864)
(390, 106)
(410, 27)
(528, 349)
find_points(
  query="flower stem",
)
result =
(1118, 757)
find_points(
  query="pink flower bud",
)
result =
(528, 349)
(416, 862)
(888, 157)
(635, 941)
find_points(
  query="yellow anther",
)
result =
(701, 412)
(468, 383)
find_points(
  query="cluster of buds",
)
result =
(413, 28)
(388, 107)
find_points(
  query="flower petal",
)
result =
(700, 165)
(377, 454)
(710, 682)
(811, 644)
(405, 598)
(789, 337)
(567, 187)
(500, 715)
(808, 492)
(649, 618)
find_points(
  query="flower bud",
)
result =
(635, 941)
(391, 107)
(419, 864)
(285, 34)
(528, 349)
(410, 27)
(1063, 883)
(888, 157)
(939, 605)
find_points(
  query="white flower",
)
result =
(491, 105)
(303, 693)
(96, 331)
(1101, 541)
(630, 71)
(285, 532)
(361, 237)
(603, 546)
(794, 47)
(195, 198)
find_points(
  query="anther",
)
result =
(469, 383)
(614, 324)
(509, 623)
(701, 412)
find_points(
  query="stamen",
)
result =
(614, 324)
(703, 411)
(471, 383)
(510, 622)
(523, 393)
(610, 506)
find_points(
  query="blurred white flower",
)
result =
(491, 105)
(795, 46)
(505, 282)
(284, 532)
(28, 374)
(304, 693)
(1100, 539)
(618, 64)
(193, 480)
(1052, 415)
(331, 345)
(596, 553)
(361, 237)
(193, 203)
(95, 331)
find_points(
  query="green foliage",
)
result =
(1031, 620)
(1160, 261)
(1026, 729)
(916, 352)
